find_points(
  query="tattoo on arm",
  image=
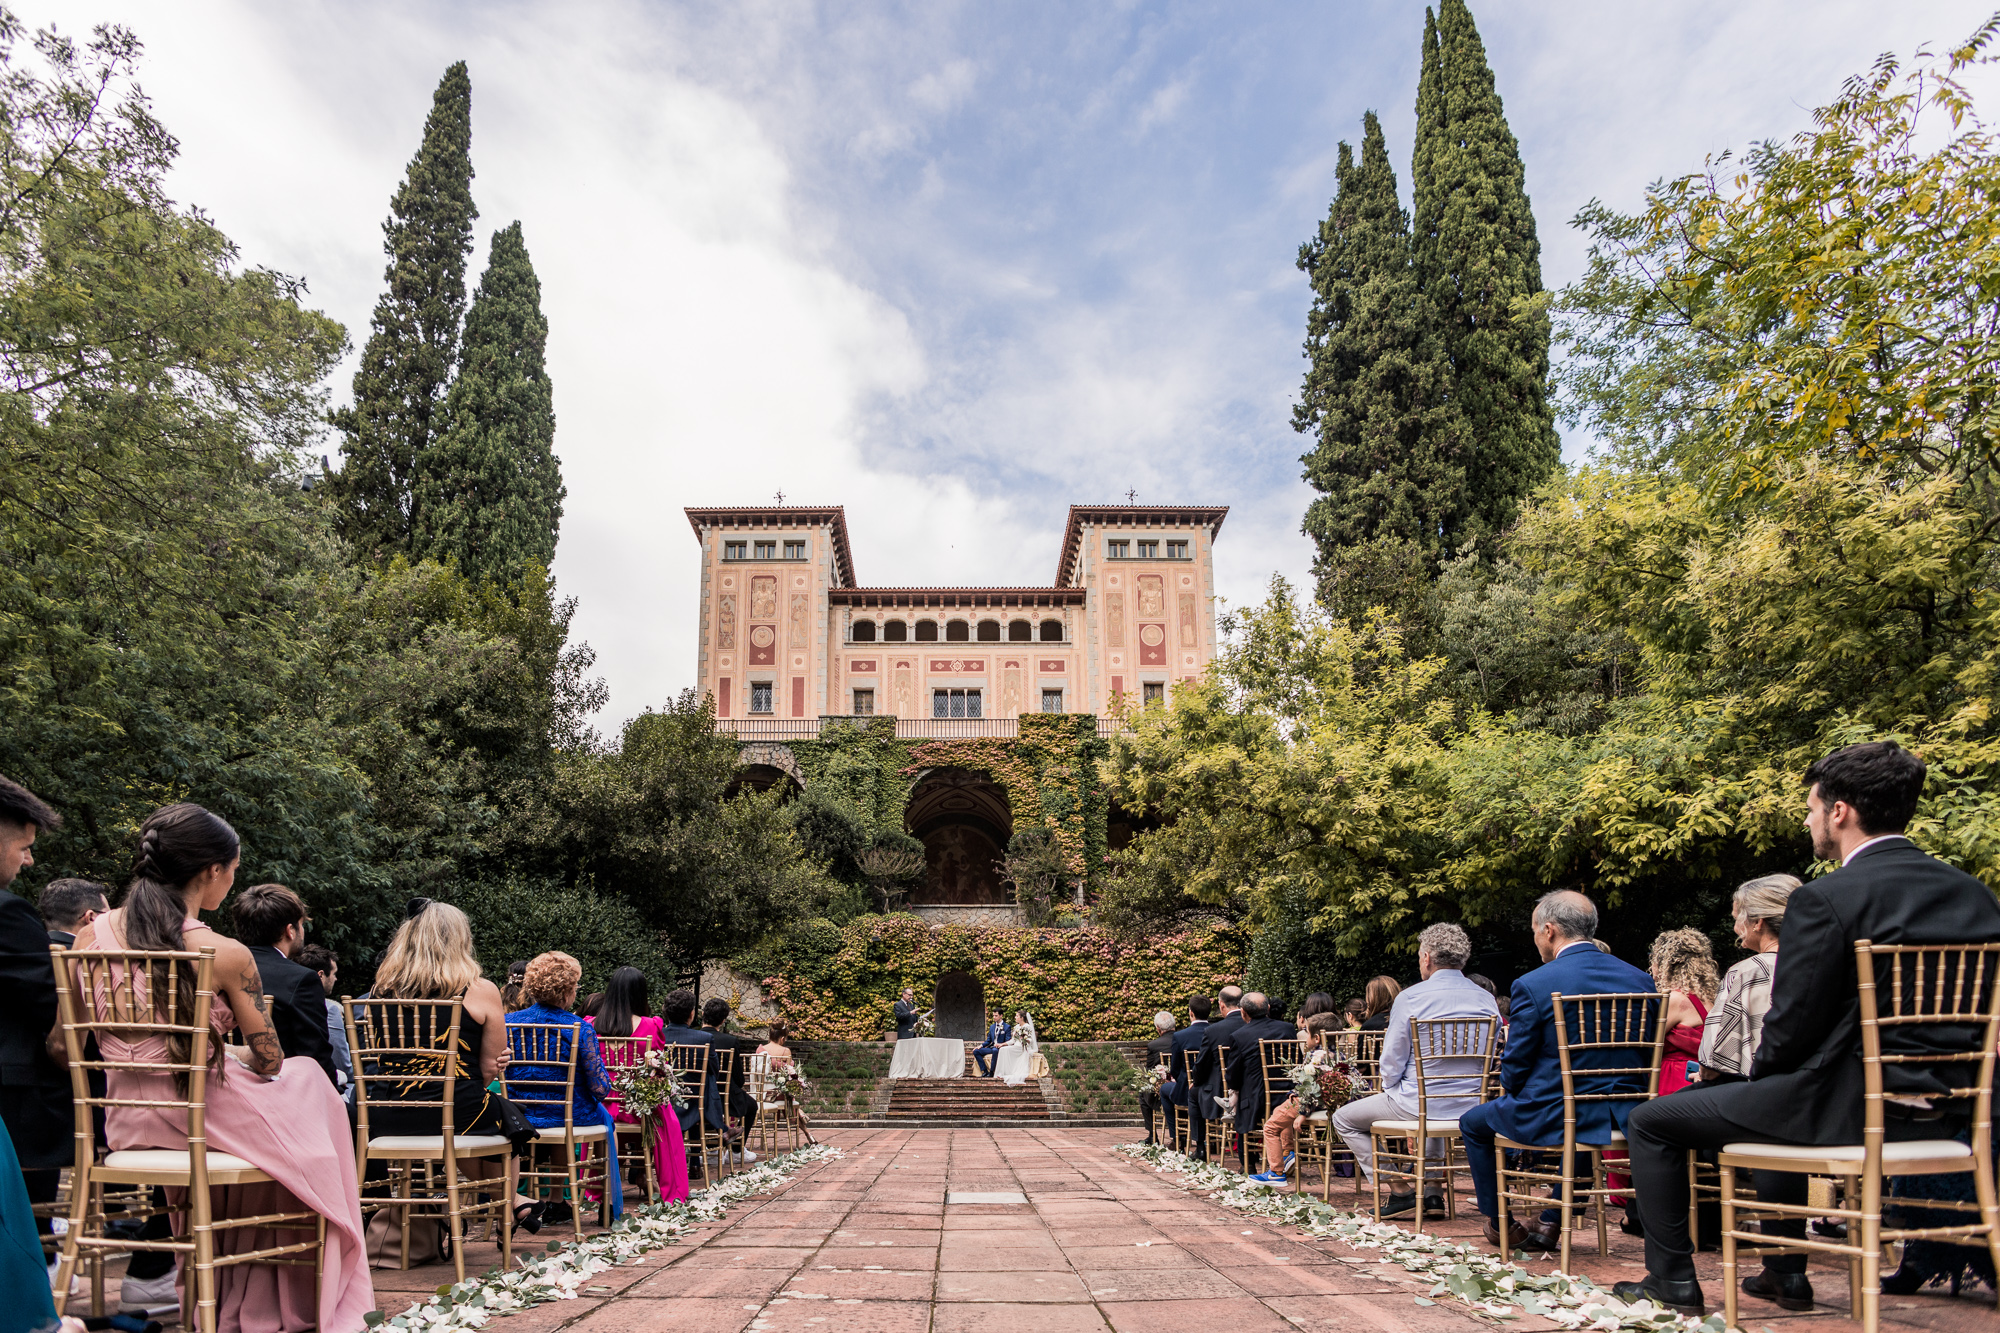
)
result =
(266, 1055)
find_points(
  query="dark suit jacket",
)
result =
(298, 1007)
(1531, 1111)
(906, 1020)
(1208, 1067)
(741, 1103)
(711, 1090)
(34, 1090)
(1157, 1047)
(997, 1035)
(1806, 1083)
(1246, 1067)
(1187, 1045)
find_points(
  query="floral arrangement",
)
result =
(926, 1024)
(789, 1082)
(648, 1084)
(1321, 1087)
(1149, 1079)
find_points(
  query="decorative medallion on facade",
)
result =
(1152, 645)
(763, 645)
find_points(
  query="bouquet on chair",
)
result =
(790, 1083)
(649, 1084)
(1321, 1087)
(1149, 1079)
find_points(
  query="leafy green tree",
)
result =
(1478, 259)
(1377, 393)
(520, 917)
(407, 363)
(487, 495)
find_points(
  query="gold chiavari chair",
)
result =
(1948, 996)
(776, 1115)
(1453, 1059)
(143, 1011)
(1620, 1039)
(621, 1053)
(406, 1059)
(552, 1050)
(1361, 1053)
(1279, 1057)
(692, 1062)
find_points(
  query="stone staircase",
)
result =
(965, 1101)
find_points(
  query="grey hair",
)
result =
(1447, 944)
(1569, 912)
(1164, 1021)
(1763, 899)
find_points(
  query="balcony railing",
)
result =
(752, 729)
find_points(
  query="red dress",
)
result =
(1682, 1044)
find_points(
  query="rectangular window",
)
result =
(955, 703)
(864, 703)
(795, 550)
(767, 550)
(1154, 692)
(1177, 551)
(1052, 701)
(1118, 549)
(1149, 550)
(736, 550)
(760, 696)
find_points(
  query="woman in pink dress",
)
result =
(282, 1116)
(626, 1013)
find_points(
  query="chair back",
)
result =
(1280, 1056)
(405, 1055)
(145, 998)
(1609, 1049)
(692, 1061)
(1940, 1007)
(756, 1076)
(1453, 1058)
(541, 1067)
(622, 1052)
(1361, 1052)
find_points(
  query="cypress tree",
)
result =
(488, 495)
(1377, 392)
(413, 338)
(1477, 257)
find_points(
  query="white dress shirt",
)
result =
(1447, 994)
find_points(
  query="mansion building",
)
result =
(790, 635)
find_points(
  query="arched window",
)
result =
(864, 631)
(1020, 631)
(989, 631)
(927, 631)
(1052, 631)
(957, 631)
(895, 631)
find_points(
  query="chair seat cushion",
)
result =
(582, 1133)
(1432, 1128)
(171, 1159)
(1319, 1117)
(1917, 1150)
(432, 1145)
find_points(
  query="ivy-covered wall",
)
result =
(1049, 773)
(839, 982)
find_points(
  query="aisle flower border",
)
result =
(1489, 1285)
(565, 1270)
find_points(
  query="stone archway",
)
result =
(779, 757)
(964, 821)
(961, 1007)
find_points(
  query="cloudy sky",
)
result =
(954, 266)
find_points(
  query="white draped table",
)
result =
(928, 1057)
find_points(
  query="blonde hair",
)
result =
(1380, 994)
(1764, 899)
(1684, 960)
(430, 957)
(551, 979)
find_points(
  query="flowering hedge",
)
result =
(839, 983)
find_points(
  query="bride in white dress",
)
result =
(1017, 1057)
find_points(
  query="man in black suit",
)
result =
(1207, 1072)
(678, 1010)
(1246, 1063)
(1159, 1051)
(35, 1097)
(1177, 1090)
(1805, 1085)
(714, 1013)
(68, 905)
(905, 1010)
(272, 921)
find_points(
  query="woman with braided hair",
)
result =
(282, 1116)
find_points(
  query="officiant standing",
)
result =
(906, 1015)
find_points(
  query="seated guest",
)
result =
(549, 986)
(1683, 968)
(1246, 1058)
(1355, 1011)
(1176, 1092)
(272, 920)
(510, 994)
(742, 1106)
(679, 1030)
(1377, 1000)
(1208, 1066)
(626, 1013)
(1281, 1127)
(998, 1033)
(1806, 1083)
(780, 1057)
(280, 1115)
(1159, 1051)
(1530, 1109)
(1730, 1034)
(321, 960)
(588, 1006)
(1444, 992)
(67, 905)
(1317, 1003)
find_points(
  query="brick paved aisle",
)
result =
(882, 1241)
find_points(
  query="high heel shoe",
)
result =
(528, 1217)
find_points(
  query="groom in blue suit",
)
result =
(998, 1033)
(1531, 1107)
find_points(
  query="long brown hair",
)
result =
(176, 843)
(1381, 993)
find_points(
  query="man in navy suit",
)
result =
(998, 1033)
(679, 1009)
(1531, 1107)
(1186, 1045)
